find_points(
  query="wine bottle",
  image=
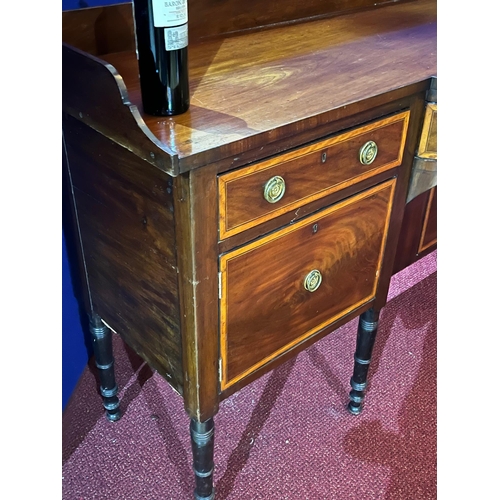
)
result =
(162, 51)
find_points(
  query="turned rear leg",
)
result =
(103, 353)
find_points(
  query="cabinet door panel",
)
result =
(268, 305)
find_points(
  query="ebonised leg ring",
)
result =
(202, 444)
(103, 352)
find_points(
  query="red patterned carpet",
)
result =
(286, 436)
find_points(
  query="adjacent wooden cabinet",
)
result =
(221, 242)
(418, 234)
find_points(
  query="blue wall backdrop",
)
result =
(80, 4)
(75, 352)
(76, 347)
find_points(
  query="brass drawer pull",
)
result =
(368, 153)
(313, 280)
(274, 189)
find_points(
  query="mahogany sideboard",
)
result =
(221, 242)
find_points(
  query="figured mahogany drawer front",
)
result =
(285, 287)
(254, 194)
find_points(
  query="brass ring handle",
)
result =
(368, 153)
(274, 189)
(312, 280)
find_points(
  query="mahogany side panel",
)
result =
(125, 213)
(265, 306)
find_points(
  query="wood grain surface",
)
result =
(254, 84)
(309, 173)
(232, 16)
(265, 309)
(259, 88)
(94, 93)
(125, 214)
(101, 30)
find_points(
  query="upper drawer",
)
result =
(254, 194)
(285, 287)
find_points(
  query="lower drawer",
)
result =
(285, 287)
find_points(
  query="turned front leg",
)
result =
(202, 443)
(367, 331)
(103, 353)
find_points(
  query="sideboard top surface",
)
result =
(256, 88)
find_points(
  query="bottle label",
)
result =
(168, 13)
(176, 38)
